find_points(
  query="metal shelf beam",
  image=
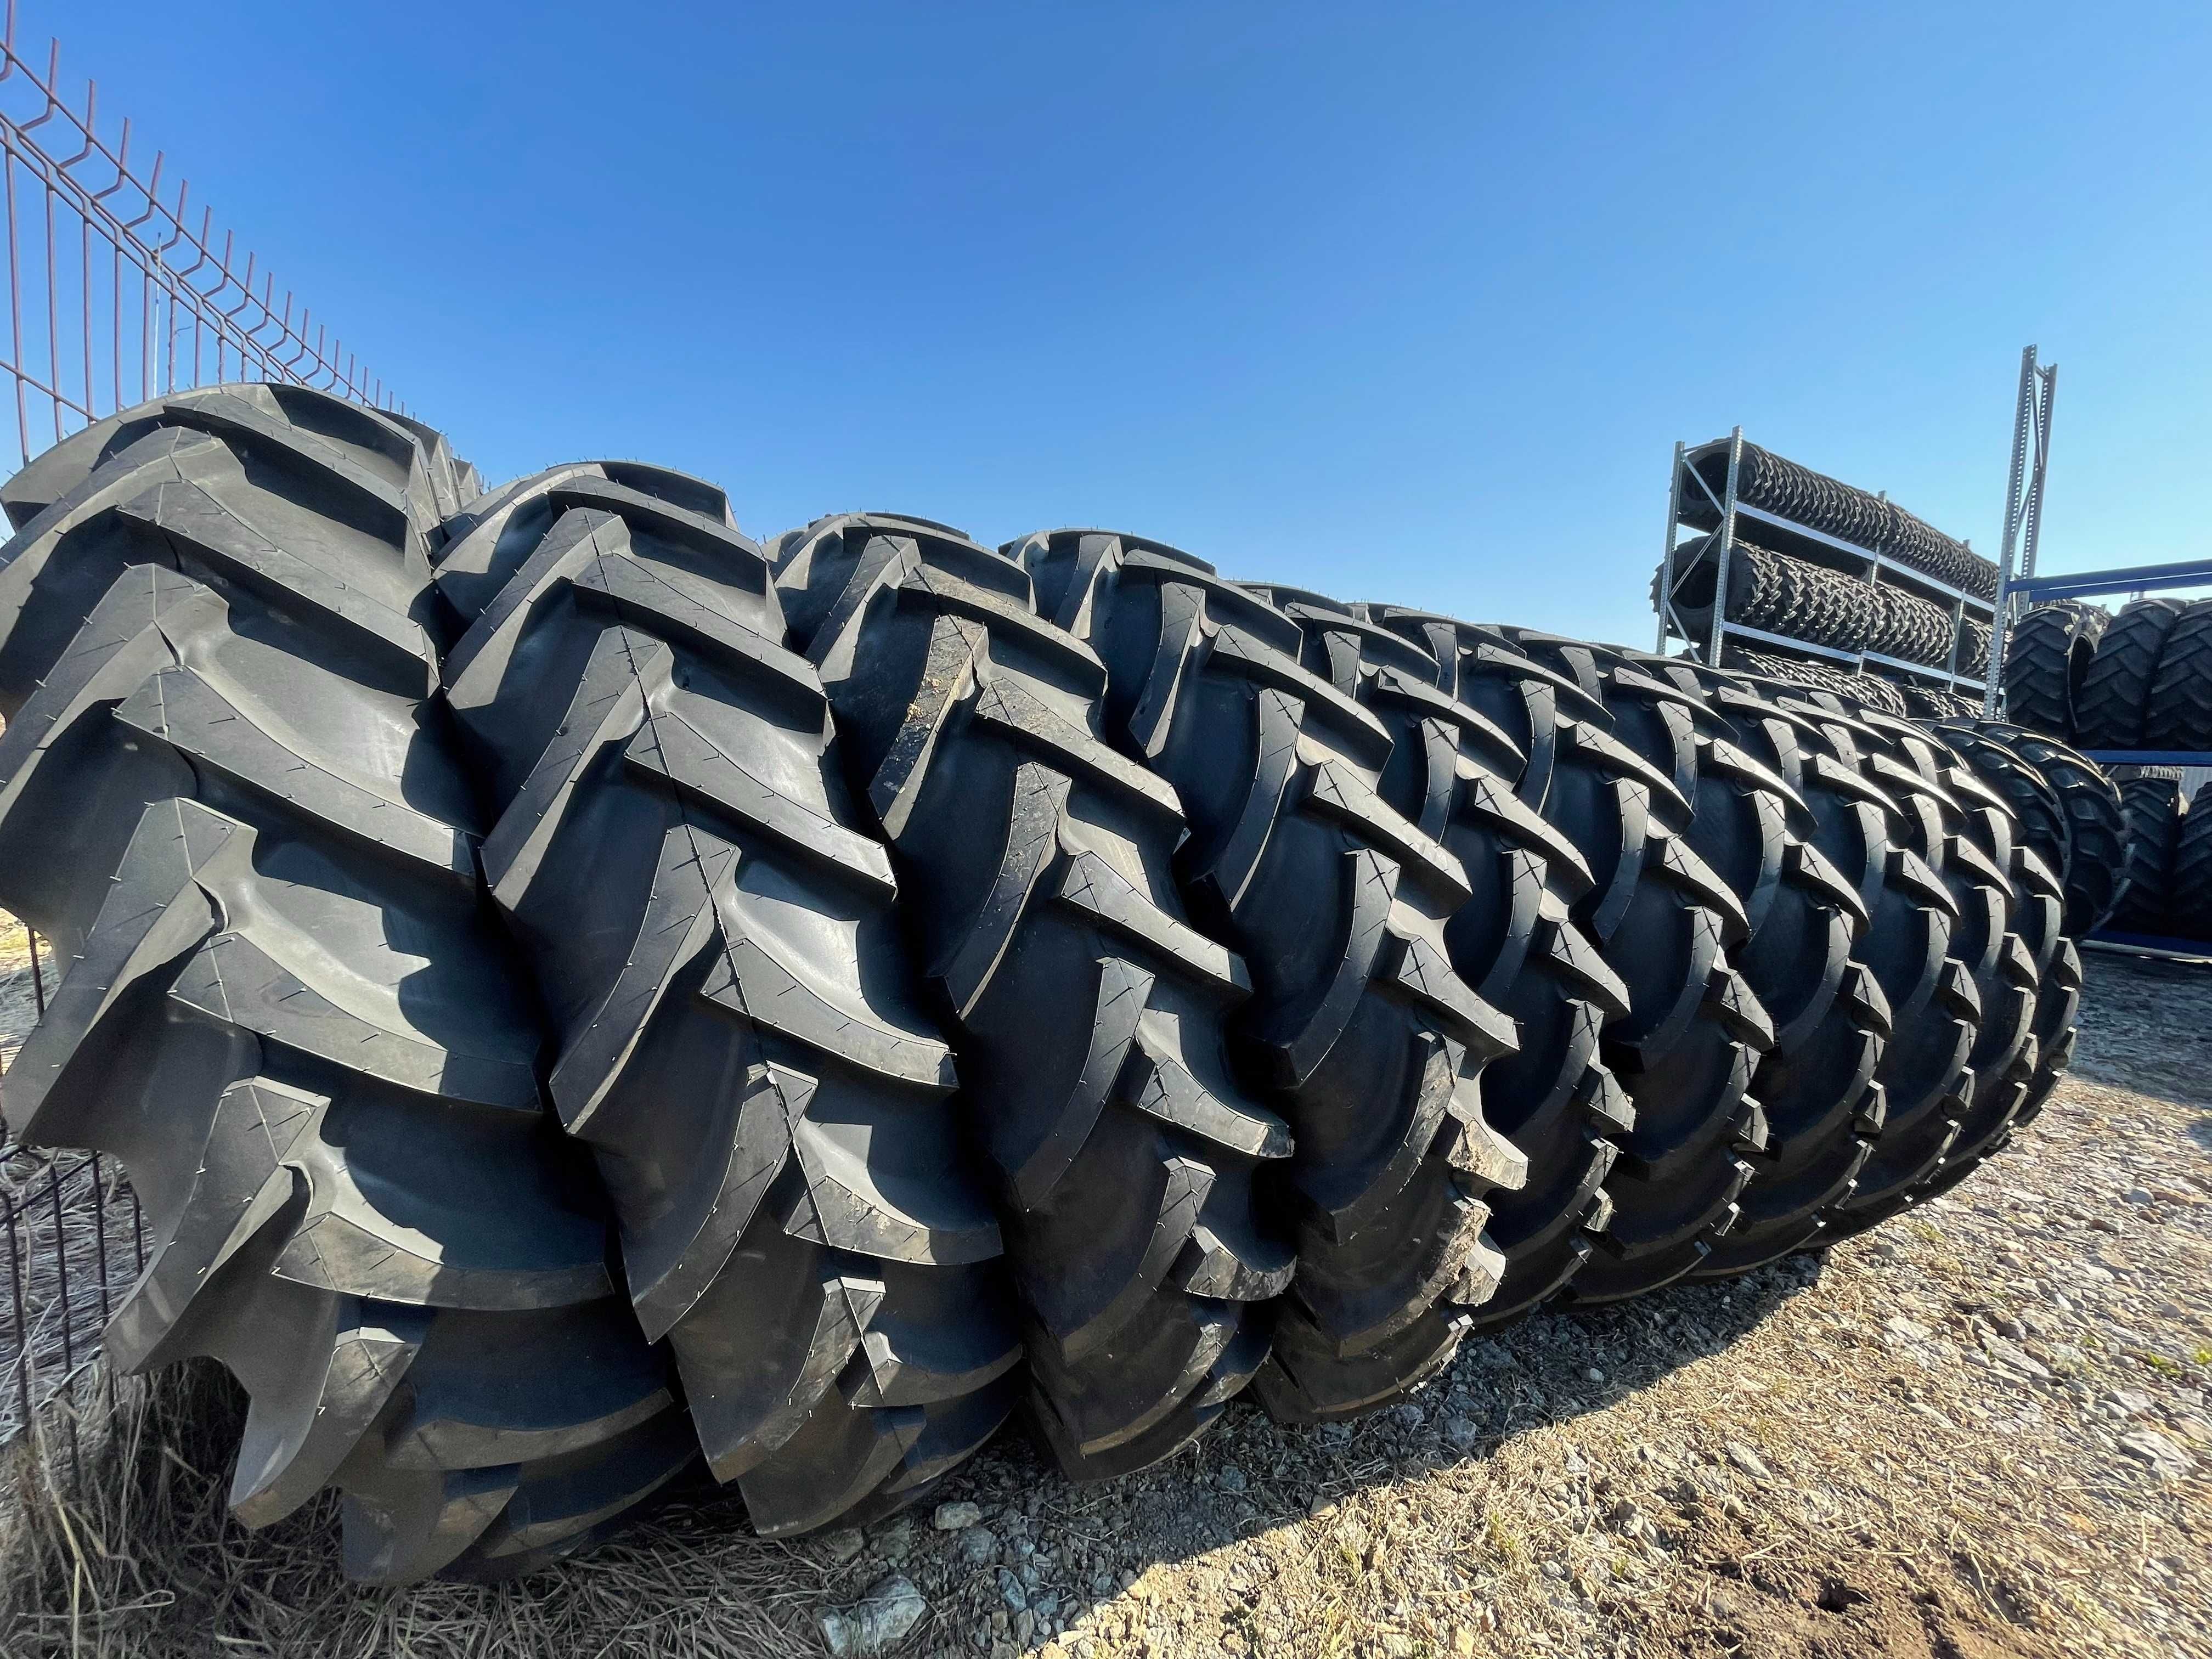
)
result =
(2148, 757)
(2130, 578)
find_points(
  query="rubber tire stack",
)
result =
(592, 1002)
(1803, 496)
(1803, 601)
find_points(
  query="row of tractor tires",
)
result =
(1803, 496)
(1363, 1029)
(592, 1002)
(1800, 600)
(2146, 684)
(2067, 808)
(1870, 689)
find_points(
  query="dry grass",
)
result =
(142, 1559)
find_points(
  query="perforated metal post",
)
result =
(2023, 427)
(1667, 617)
(1727, 547)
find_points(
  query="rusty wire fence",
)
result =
(115, 295)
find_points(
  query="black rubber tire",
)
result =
(735, 1033)
(1514, 941)
(1752, 828)
(1990, 981)
(1824, 1088)
(1664, 922)
(2190, 911)
(1090, 1018)
(2046, 659)
(2114, 700)
(229, 798)
(1359, 1030)
(2180, 715)
(2095, 861)
(2152, 807)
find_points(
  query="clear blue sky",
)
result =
(1404, 302)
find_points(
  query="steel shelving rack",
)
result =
(1786, 536)
(2031, 456)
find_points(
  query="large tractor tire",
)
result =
(1090, 1018)
(2047, 658)
(1360, 1030)
(1514, 940)
(1802, 913)
(2180, 713)
(2114, 699)
(2151, 804)
(229, 798)
(1664, 922)
(735, 1033)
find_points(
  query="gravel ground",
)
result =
(1983, 1431)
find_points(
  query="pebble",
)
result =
(888, 1612)
(957, 1517)
(1747, 1460)
(1906, 1330)
(1462, 1434)
(2166, 1458)
(843, 1545)
(1230, 1479)
(979, 1546)
(1594, 1375)
(1012, 1592)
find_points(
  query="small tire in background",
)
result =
(2151, 802)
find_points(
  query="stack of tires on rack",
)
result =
(1798, 600)
(2139, 681)
(593, 1003)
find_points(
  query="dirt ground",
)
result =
(1983, 1432)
